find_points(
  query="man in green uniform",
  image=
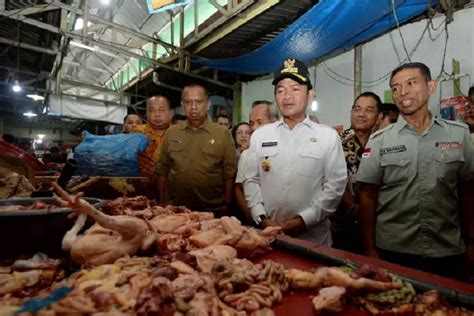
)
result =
(197, 165)
(410, 176)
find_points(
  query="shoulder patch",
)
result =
(380, 131)
(455, 123)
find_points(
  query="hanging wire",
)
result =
(394, 11)
(381, 79)
(18, 52)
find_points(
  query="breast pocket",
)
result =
(310, 164)
(211, 157)
(448, 164)
(175, 153)
(267, 158)
(396, 168)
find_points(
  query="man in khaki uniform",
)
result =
(197, 160)
(410, 176)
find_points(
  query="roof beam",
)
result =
(261, 7)
(118, 27)
(40, 8)
(29, 47)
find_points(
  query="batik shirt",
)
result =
(353, 151)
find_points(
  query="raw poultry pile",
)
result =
(37, 205)
(167, 261)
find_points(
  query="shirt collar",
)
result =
(307, 121)
(401, 123)
(205, 126)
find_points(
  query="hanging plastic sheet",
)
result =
(331, 26)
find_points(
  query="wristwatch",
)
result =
(259, 219)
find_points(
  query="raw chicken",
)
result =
(330, 299)
(207, 257)
(229, 231)
(330, 276)
(118, 236)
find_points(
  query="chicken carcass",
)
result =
(330, 276)
(228, 231)
(207, 257)
(116, 237)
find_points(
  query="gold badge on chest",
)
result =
(266, 166)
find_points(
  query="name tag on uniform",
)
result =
(448, 145)
(269, 144)
(392, 150)
(174, 141)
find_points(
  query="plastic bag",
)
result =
(110, 155)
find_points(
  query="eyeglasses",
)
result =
(243, 133)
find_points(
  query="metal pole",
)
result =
(357, 70)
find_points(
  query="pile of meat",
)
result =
(154, 230)
(188, 263)
(37, 205)
(207, 281)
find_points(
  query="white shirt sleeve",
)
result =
(327, 200)
(251, 181)
(241, 167)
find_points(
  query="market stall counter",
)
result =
(142, 258)
(301, 254)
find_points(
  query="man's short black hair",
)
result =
(369, 94)
(471, 91)
(388, 107)
(223, 115)
(195, 85)
(425, 71)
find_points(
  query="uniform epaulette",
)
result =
(457, 123)
(380, 131)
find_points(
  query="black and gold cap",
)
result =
(294, 69)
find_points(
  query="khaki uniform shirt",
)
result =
(196, 163)
(417, 175)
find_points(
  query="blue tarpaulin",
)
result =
(331, 26)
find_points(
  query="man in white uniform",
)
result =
(295, 173)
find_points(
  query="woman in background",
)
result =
(241, 133)
(130, 122)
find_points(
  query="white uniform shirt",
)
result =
(307, 175)
(241, 167)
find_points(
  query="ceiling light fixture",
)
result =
(30, 114)
(35, 97)
(41, 136)
(105, 2)
(16, 87)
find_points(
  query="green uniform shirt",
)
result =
(196, 163)
(417, 175)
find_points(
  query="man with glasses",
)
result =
(197, 161)
(364, 116)
(262, 112)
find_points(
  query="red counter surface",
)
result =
(299, 303)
